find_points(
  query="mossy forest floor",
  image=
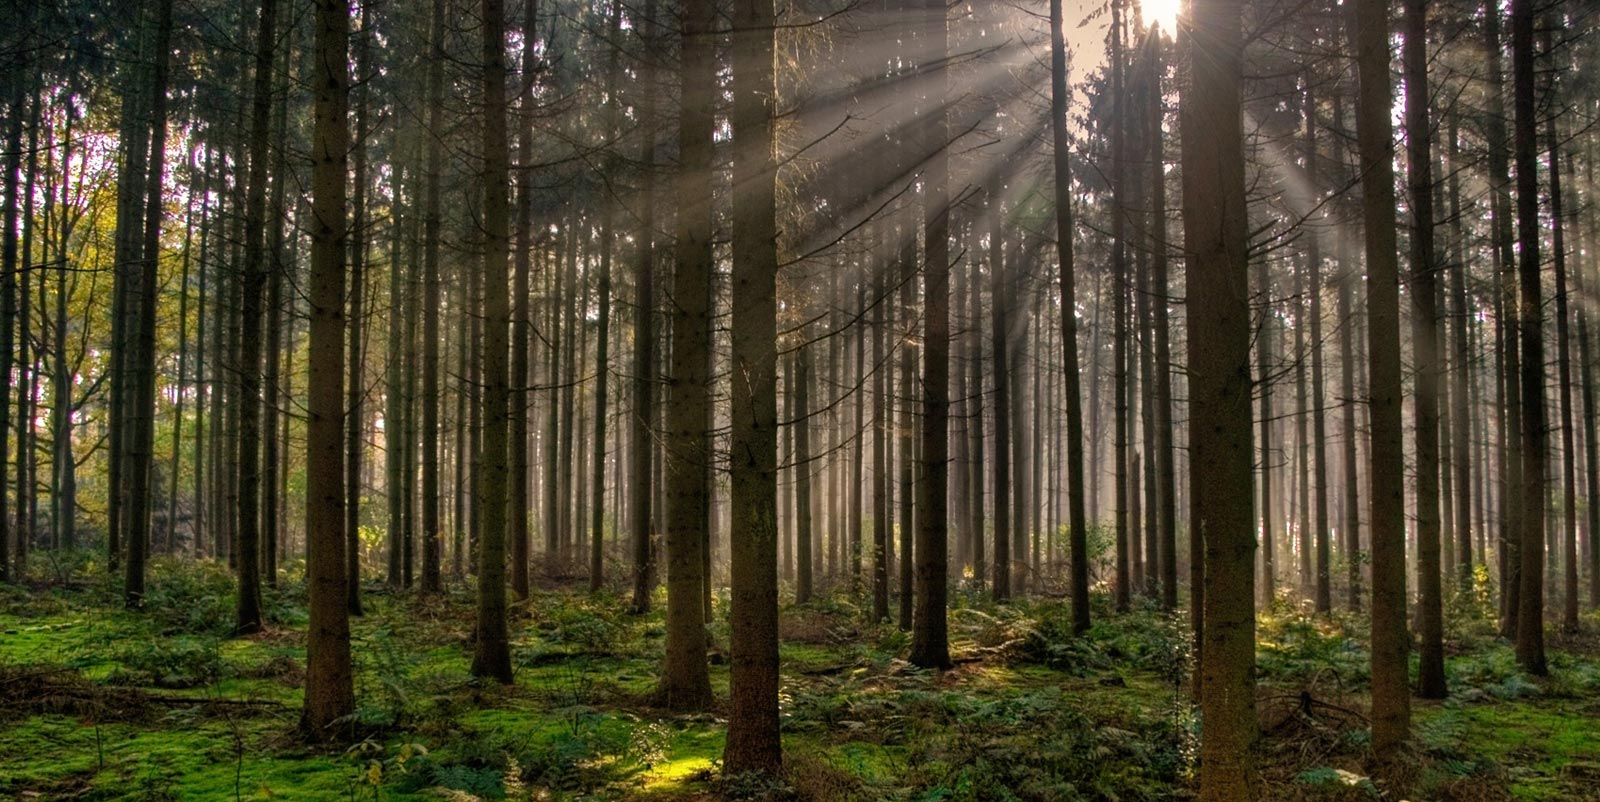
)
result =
(99, 703)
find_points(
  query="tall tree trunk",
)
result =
(804, 469)
(880, 445)
(248, 618)
(603, 340)
(1215, 236)
(1461, 408)
(550, 475)
(930, 639)
(1323, 593)
(1425, 349)
(999, 325)
(12, 264)
(329, 695)
(1348, 277)
(1122, 588)
(685, 681)
(1264, 370)
(858, 452)
(1166, 476)
(974, 391)
(355, 388)
(395, 487)
(908, 426)
(1391, 703)
(64, 499)
(1060, 98)
(1509, 350)
(273, 442)
(1530, 329)
(139, 449)
(644, 333)
(1586, 279)
(491, 655)
(432, 536)
(134, 152)
(1567, 534)
(528, 241)
(753, 740)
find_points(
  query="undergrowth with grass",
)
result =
(165, 704)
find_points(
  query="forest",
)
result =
(817, 400)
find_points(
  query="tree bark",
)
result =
(999, 325)
(1530, 329)
(1425, 350)
(329, 694)
(432, 536)
(355, 388)
(491, 655)
(644, 345)
(140, 444)
(1391, 705)
(930, 639)
(248, 618)
(753, 740)
(1215, 236)
(685, 681)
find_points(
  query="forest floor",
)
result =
(98, 703)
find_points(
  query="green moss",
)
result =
(1032, 708)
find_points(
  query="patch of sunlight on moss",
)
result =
(691, 752)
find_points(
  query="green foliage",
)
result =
(1331, 783)
(385, 668)
(1296, 648)
(186, 596)
(180, 662)
(585, 626)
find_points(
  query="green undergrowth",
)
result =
(165, 704)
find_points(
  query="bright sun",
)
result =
(1163, 13)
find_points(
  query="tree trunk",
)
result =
(908, 427)
(1264, 370)
(974, 391)
(1323, 593)
(1567, 534)
(355, 389)
(1509, 399)
(329, 695)
(644, 345)
(880, 445)
(1530, 329)
(140, 444)
(685, 681)
(999, 324)
(1391, 705)
(804, 469)
(9, 263)
(930, 640)
(432, 536)
(1122, 587)
(1215, 236)
(1425, 350)
(1166, 476)
(597, 481)
(753, 740)
(248, 618)
(491, 655)
(1461, 409)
